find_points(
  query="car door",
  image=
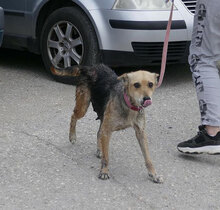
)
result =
(15, 24)
(1, 25)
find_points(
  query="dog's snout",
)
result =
(146, 98)
(146, 101)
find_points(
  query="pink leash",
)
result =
(165, 47)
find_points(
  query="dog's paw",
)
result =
(72, 138)
(103, 176)
(98, 153)
(156, 179)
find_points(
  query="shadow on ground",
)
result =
(25, 61)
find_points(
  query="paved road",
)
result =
(40, 169)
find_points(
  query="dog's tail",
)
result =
(73, 71)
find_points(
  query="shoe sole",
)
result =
(211, 150)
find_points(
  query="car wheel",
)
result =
(68, 39)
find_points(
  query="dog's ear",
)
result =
(124, 78)
(157, 77)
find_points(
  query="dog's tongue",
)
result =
(147, 103)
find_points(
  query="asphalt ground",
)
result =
(40, 169)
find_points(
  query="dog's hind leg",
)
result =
(99, 145)
(142, 140)
(83, 97)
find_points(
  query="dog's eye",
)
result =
(150, 84)
(137, 85)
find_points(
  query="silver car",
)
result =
(114, 32)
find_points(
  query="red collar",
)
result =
(127, 101)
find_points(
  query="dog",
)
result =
(118, 102)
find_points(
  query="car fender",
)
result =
(85, 5)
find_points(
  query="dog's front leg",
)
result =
(104, 136)
(142, 140)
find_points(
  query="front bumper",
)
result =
(147, 53)
(138, 36)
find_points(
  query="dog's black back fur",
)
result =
(102, 81)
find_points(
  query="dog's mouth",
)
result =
(146, 103)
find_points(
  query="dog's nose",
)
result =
(146, 101)
(146, 98)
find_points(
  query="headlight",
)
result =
(142, 5)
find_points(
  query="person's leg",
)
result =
(203, 59)
(207, 82)
(212, 130)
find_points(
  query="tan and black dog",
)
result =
(119, 104)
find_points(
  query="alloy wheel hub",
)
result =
(65, 45)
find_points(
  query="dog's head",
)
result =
(139, 86)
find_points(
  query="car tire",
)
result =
(67, 39)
